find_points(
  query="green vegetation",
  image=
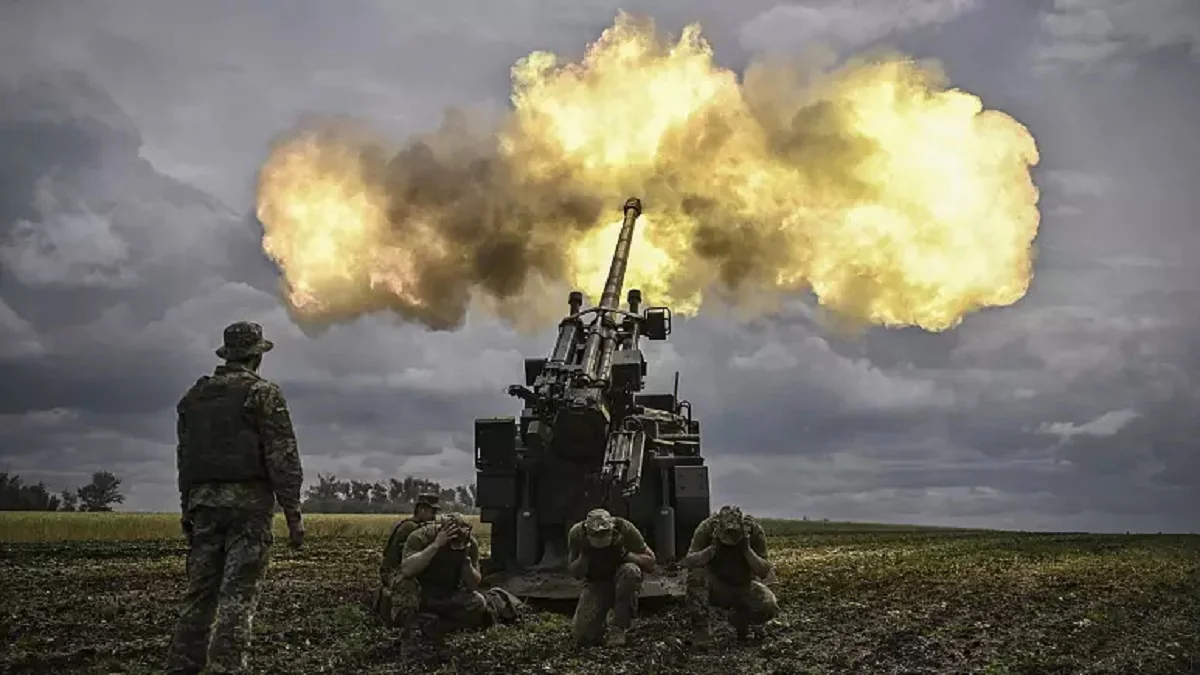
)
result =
(37, 526)
(856, 599)
(31, 527)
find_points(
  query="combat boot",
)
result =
(740, 626)
(616, 638)
(747, 632)
(701, 636)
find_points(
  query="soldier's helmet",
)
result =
(461, 528)
(428, 500)
(244, 339)
(730, 524)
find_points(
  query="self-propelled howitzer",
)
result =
(588, 437)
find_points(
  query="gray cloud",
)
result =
(846, 24)
(1108, 35)
(131, 137)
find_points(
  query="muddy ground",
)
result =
(852, 602)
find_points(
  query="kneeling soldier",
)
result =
(610, 555)
(424, 511)
(728, 551)
(439, 575)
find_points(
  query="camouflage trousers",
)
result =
(229, 551)
(752, 604)
(598, 597)
(462, 610)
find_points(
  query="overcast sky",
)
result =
(130, 132)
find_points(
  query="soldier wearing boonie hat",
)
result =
(237, 459)
(610, 555)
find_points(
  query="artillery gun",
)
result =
(589, 438)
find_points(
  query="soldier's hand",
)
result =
(444, 535)
(296, 533)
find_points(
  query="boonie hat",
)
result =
(598, 521)
(242, 339)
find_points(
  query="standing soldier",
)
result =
(424, 511)
(439, 575)
(610, 555)
(728, 551)
(237, 458)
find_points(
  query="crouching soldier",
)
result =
(424, 511)
(439, 577)
(727, 556)
(610, 555)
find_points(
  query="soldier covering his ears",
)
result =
(425, 510)
(237, 458)
(611, 555)
(439, 575)
(726, 559)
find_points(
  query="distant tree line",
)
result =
(331, 495)
(99, 495)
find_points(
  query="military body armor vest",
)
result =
(444, 572)
(602, 563)
(398, 536)
(730, 567)
(222, 444)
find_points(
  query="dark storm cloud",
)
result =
(84, 218)
(119, 266)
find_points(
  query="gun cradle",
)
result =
(623, 461)
(580, 427)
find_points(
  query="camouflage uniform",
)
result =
(439, 590)
(609, 581)
(393, 551)
(237, 457)
(727, 582)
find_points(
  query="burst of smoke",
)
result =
(896, 200)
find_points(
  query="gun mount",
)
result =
(589, 438)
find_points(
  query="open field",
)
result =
(856, 599)
(32, 526)
(28, 527)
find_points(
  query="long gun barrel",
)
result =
(616, 271)
(597, 352)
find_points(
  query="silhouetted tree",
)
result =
(15, 495)
(379, 494)
(360, 491)
(331, 495)
(395, 490)
(69, 501)
(325, 489)
(102, 493)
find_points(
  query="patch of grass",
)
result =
(30, 526)
(853, 600)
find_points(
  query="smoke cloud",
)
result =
(895, 199)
